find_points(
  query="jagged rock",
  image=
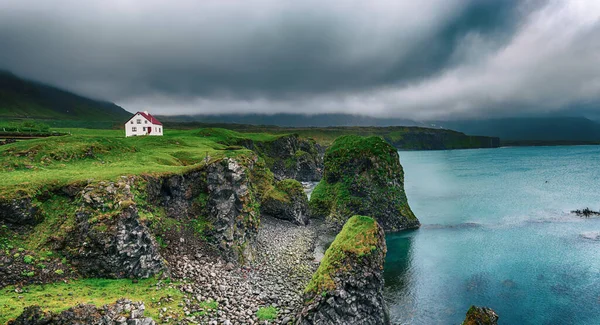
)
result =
(481, 316)
(290, 156)
(363, 176)
(348, 286)
(120, 313)
(108, 239)
(18, 211)
(233, 208)
(287, 201)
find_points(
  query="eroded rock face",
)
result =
(287, 201)
(290, 157)
(363, 176)
(481, 316)
(108, 239)
(123, 312)
(348, 286)
(18, 212)
(233, 208)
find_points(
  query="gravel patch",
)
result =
(284, 264)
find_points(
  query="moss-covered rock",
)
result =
(481, 316)
(363, 176)
(347, 288)
(288, 201)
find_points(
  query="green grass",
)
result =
(358, 237)
(32, 166)
(60, 296)
(266, 313)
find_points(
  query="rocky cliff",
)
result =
(287, 201)
(290, 156)
(123, 312)
(363, 176)
(347, 288)
(481, 316)
(116, 229)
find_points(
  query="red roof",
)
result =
(150, 118)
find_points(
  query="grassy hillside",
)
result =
(35, 165)
(24, 99)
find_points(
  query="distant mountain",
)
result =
(534, 128)
(294, 120)
(20, 98)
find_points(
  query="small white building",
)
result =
(143, 123)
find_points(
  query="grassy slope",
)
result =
(31, 165)
(60, 296)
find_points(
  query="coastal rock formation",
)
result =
(108, 239)
(347, 288)
(363, 176)
(287, 201)
(120, 313)
(233, 208)
(481, 316)
(290, 156)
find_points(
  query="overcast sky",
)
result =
(426, 59)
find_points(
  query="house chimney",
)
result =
(146, 112)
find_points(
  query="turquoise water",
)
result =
(497, 232)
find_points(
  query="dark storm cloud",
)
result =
(417, 59)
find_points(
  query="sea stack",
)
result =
(363, 176)
(347, 288)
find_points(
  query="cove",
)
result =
(497, 232)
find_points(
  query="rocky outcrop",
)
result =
(123, 312)
(233, 208)
(290, 156)
(108, 239)
(347, 288)
(363, 176)
(18, 211)
(481, 316)
(288, 201)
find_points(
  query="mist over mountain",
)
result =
(21, 98)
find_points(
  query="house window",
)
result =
(131, 122)
(144, 129)
(158, 129)
(139, 121)
(145, 122)
(133, 128)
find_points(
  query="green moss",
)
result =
(266, 313)
(60, 296)
(359, 237)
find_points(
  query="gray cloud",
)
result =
(433, 59)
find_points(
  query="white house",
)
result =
(143, 123)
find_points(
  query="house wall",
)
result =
(138, 125)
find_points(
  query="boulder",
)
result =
(481, 316)
(363, 176)
(18, 212)
(288, 201)
(347, 288)
(123, 312)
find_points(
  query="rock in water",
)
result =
(363, 176)
(122, 312)
(287, 201)
(347, 288)
(481, 316)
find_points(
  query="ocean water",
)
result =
(497, 232)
